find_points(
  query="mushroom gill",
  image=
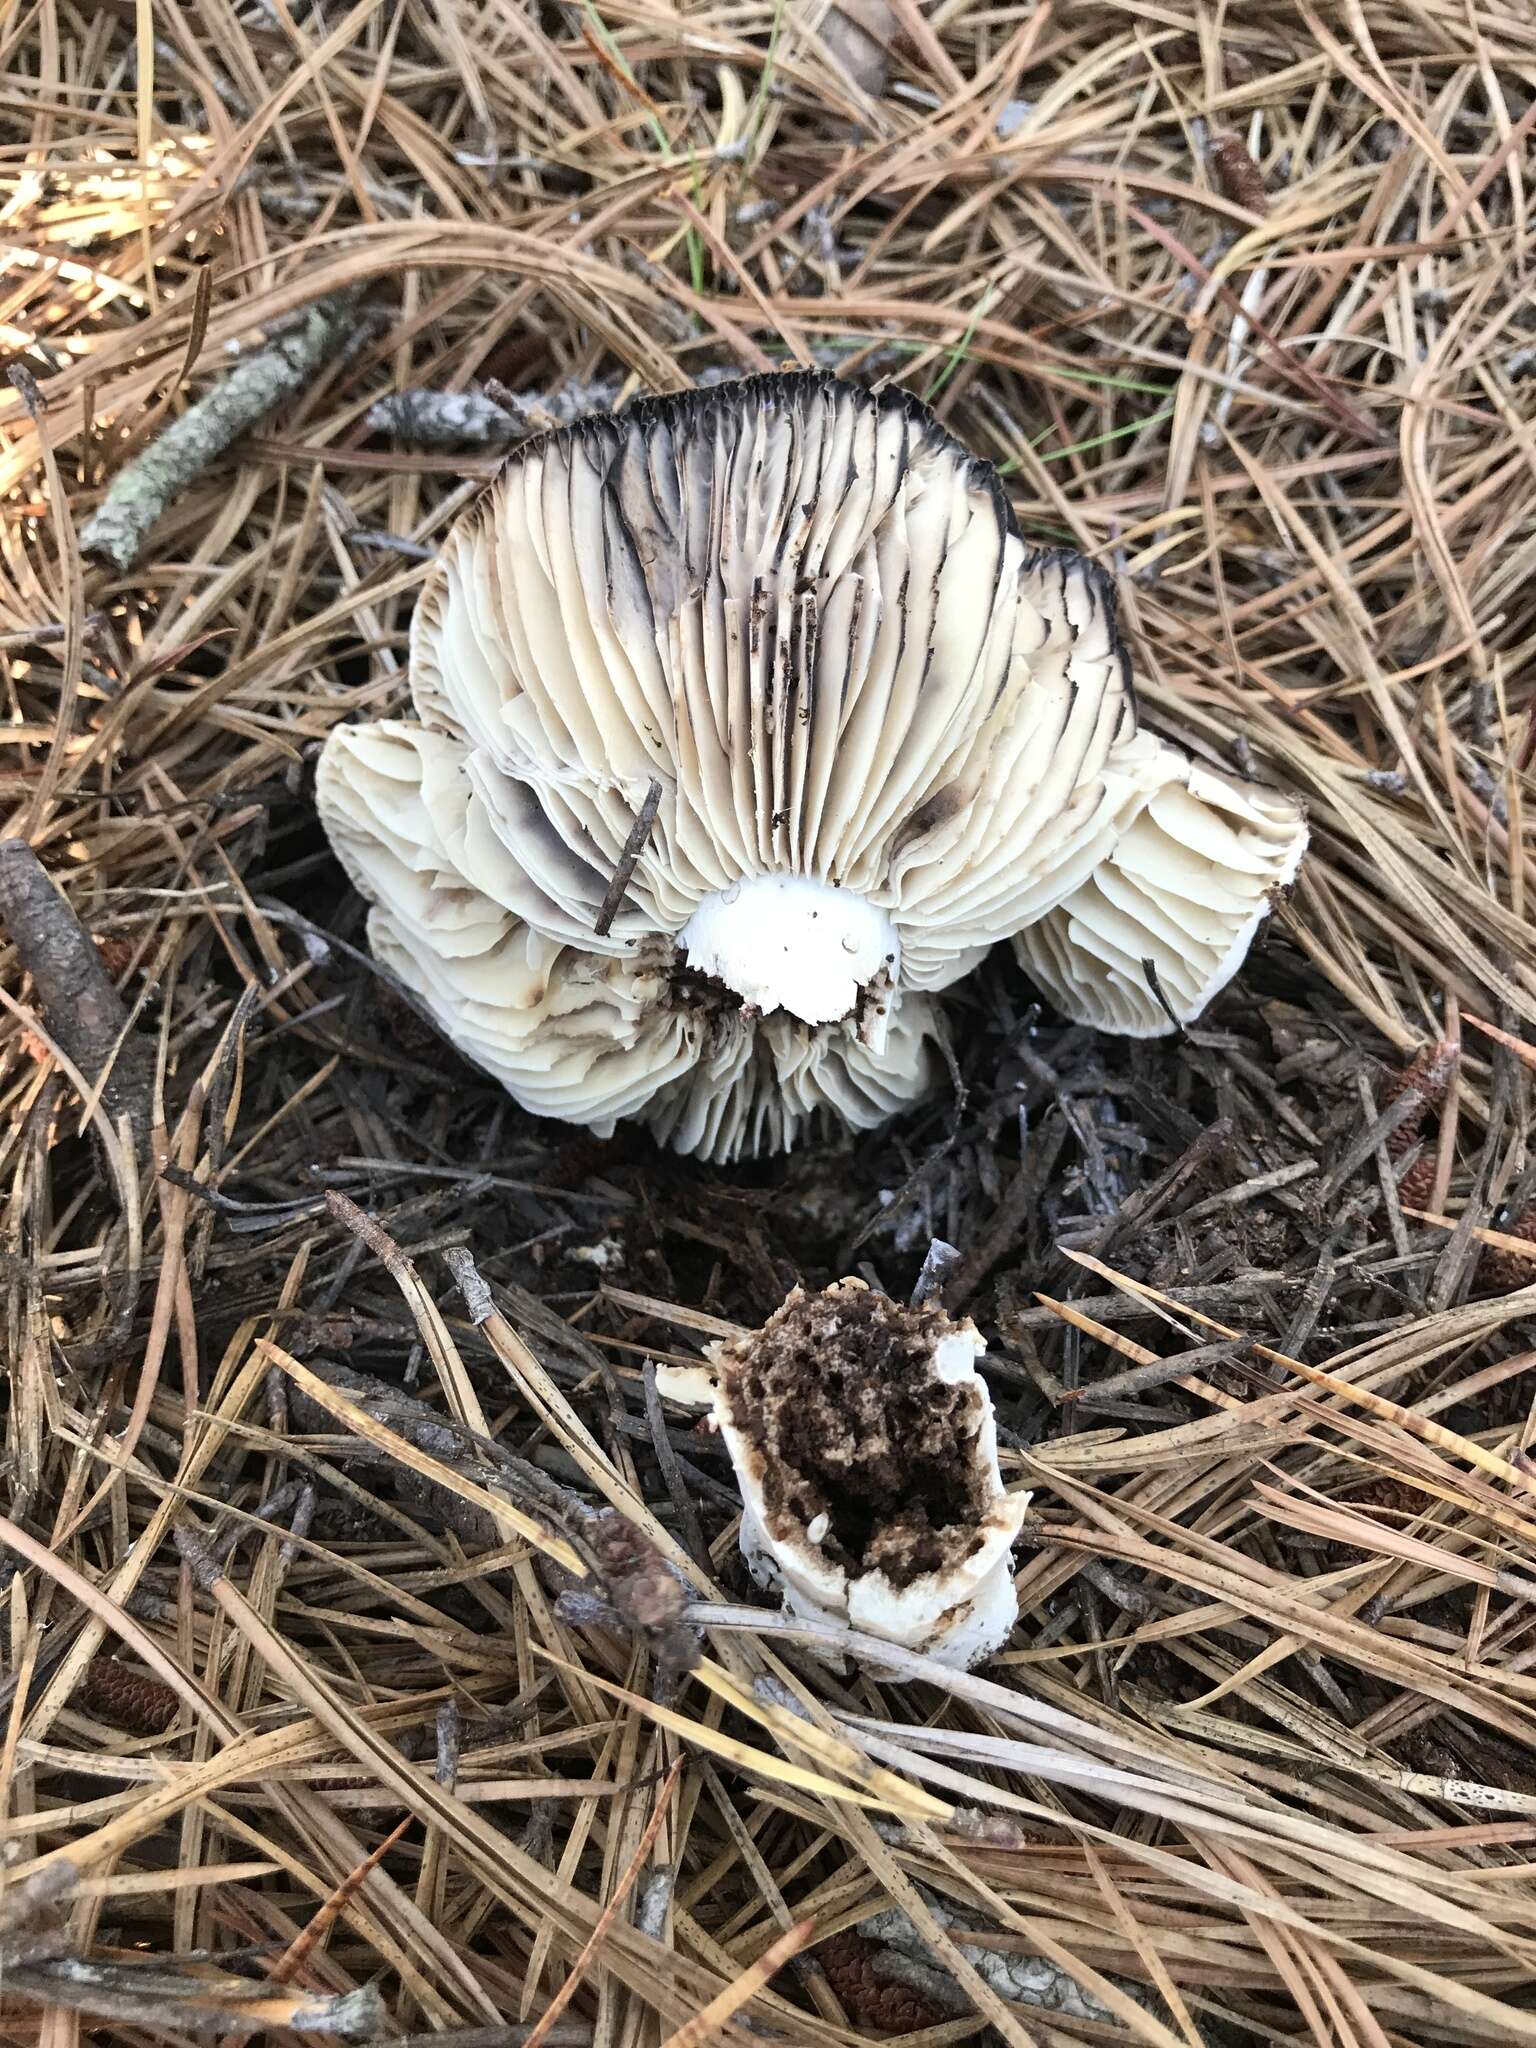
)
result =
(885, 735)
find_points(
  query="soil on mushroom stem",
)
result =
(841, 1393)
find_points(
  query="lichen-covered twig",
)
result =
(138, 494)
(1022, 1979)
(198, 2001)
(484, 419)
(941, 1259)
(495, 417)
(30, 1914)
(445, 419)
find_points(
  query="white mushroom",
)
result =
(1166, 919)
(864, 1445)
(789, 627)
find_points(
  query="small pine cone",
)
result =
(117, 950)
(1389, 1501)
(1387, 1496)
(869, 2001)
(125, 1697)
(1429, 1071)
(1427, 1075)
(1504, 1271)
(1418, 1183)
(1238, 176)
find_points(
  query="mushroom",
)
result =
(1165, 920)
(745, 723)
(863, 1443)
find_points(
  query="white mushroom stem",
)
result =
(863, 1441)
(788, 942)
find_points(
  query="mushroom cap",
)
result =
(884, 732)
(1165, 920)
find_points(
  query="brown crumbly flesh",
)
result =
(838, 1394)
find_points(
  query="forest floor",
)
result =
(300, 1731)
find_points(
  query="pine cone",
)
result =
(1418, 1183)
(1505, 1271)
(125, 1697)
(1428, 1075)
(1385, 1500)
(848, 1960)
(1237, 175)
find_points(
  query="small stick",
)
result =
(942, 1259)
(490, 418)
(139, 493)
(634, 846)
(1139, 1379)
(388, 544)
(82, 1009)
(445, 419)
(666, 1458)
(479, 1302)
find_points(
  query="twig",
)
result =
(666, 1458)
(941, 1258)
(139, 494)
(479, 1303)
(1141, 1379)
(191, 2002)
(633, 847)
(492, 418)
(29, 1911)
(82, 1009)
(445, 419)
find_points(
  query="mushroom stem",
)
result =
(789, 942)
(863, 1442)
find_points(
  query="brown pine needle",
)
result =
(1520, 1047)
(609, 1914)
(294, 1957)
(695, 2032)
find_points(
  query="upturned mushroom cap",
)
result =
(863, 1441)
(884, 734)
(1165, 920)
